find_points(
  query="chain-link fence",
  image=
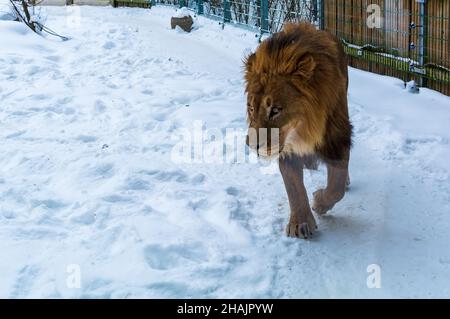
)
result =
(266, 16)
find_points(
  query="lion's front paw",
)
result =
(302, 230)
(319, 204)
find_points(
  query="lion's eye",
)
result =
(251, 109)
(274, 111)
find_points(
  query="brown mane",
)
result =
(315, 65)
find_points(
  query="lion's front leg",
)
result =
(301, 222)
(338, 181)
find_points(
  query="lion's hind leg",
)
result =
(338, 181)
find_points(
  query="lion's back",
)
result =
(329, 83)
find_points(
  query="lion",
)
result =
(297, 82)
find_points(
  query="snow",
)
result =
(87, 179)
(5, 11)
(182, 12)
(412, 87)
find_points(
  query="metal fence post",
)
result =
(264, 16)
(200, 6)
(182, 3)
(423, 32)
(226, 11)
(321, 13)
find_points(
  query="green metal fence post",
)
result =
(423, 32)
(321, 13)
(226, 11)
(264, 16)
(200, 6)
(182, 3)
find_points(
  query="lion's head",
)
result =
(283, 93)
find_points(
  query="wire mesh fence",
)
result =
(408, 39)
(266, 16)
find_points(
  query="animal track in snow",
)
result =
(103, 170)
(137, 184)
(413, 144)
(25, 280)
(172, 256)
(86, 138)
(166, 176)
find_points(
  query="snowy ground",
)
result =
(87, 177)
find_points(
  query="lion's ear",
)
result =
(249, 61)
(305, 66)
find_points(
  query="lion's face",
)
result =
(274, 112)
(282, 93)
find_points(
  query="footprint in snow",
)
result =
(198, 179)
(104, 170)
(35, 69)
(25, 280)
(8, 214)
(239, 212)
(116, 199)
(39, 97)
(49, 204)
(85, 218)
(170, 289)
(137, 184)
(197, 204)
(232, 191)
(15, 134)
(86, 138)
(39, 233)
(53, 58)
(411, 145)
(147, 92)
(160, 117)
(97, 288)
(172, 256)
(167, 176)
(64, 100)
(99, 106)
